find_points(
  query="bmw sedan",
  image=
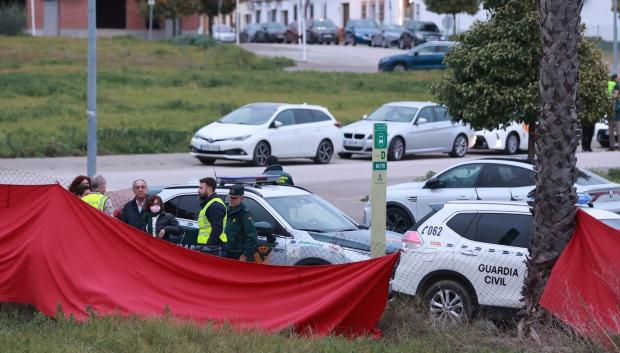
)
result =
(429, 55)
(413, 127)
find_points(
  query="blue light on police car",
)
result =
(583, 198)
(254, 179)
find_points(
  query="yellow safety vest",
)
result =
(204, 225)
(95, 199)
(610, 88)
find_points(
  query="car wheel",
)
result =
(324, 152)
(459, 148)
(262, 151)
(399, 68)
(345, 41)
(512, 144)
(206, 161)
(385, 43)
(396, 151)
(313, 261)
(345, 155)
(448, 302)
(397, 220)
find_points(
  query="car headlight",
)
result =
(238, 138)
(197, 137)
(419, 36)
(370, 137)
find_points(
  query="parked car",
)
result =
(360, 32)
(469, 256)
(292, 34)
(271, 32)
(321, 31)
(224, 34)
(388, 36)
(256, 131)
(248, 35)
(418, 32)
(511, 139)
(429, 55)
(601, 133)
(488, 179)
(413, 127)
(307, 229)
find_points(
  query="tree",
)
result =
(494, 71)
(213, 8)
(453, 7)
(554, 210)
(169, 9)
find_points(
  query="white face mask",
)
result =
(155, 209)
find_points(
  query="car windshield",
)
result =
(275, 26)
(323, 23)
(426, 27)
(249, 115)
(311, 213)
(364, 24)
(397, 114)
(614, 223)
(393, 28)
(585, 177)
(222, 29)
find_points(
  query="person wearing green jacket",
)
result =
(240, 230)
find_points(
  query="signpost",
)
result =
(151, 3)
(91, 91)
(378, 190)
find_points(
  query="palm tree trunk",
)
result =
(557, 132)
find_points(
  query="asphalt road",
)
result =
(343, 182)
(360, 58)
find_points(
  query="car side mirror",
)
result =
(421, 121)
(432, 183)
(265, 229)
(276, 124)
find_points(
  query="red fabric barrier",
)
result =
(56, 249)
(584, 287)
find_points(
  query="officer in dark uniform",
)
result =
(274, 168)
(240, 230)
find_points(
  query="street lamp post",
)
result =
(237, 21)
(615, 63)
(33, 20)
(151, 5)
(91, 95)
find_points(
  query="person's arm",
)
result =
(250, 237)
(215, 213)
(108, 208)
(173, 225)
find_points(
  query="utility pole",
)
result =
(151, 5)
(33, 19)
(237, 21)
(303, 32)
(615, 63)
(91, 95)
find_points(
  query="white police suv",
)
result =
(465, 256)
(308, 230)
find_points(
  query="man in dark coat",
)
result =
(240, 230)
(274, 168)
(133, 213)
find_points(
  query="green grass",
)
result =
(152, 96)
(612, 174)
(24, 330)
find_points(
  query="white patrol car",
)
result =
(308, 229)
(467, 256)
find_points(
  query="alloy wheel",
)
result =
(399, 149)
(324, 152)
(512, 144)
(261, 154)
(446, 306)
(460, 146)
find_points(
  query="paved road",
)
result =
(360, 58)
(343, 182)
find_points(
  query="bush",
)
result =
(12, 19)
(194, 40)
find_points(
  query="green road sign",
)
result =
(379, 165)
(380, 135)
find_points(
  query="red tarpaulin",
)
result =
(584, 287)
(56, 249)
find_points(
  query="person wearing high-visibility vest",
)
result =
(97, 198)
(613, 121)
(212, 217)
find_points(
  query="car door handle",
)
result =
(462, 197)
(517, 198)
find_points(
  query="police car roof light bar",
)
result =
(255, 180)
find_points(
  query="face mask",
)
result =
(155, 209)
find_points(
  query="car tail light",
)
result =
(412, 240)
(337, 124)
(610, 193)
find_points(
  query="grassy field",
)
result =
(152, 96)
(24, 330)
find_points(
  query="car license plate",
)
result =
(211, 148)
(353, 143)
(327, 35)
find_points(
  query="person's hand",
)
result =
(161, 233)
(243, 258)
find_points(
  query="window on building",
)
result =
(311, 10)
(248, 19)
(274, 15)
(295, 13)
(382, 11)
(285, 17)
(257, 19)
(364, 10)
(111, 14)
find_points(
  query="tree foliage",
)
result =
(494, 70)
(213, 8)
(169, 9)
(453, 6)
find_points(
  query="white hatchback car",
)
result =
(413, 127)
(487, 179)
(256, 131)
(511, 139)
(467, 256)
